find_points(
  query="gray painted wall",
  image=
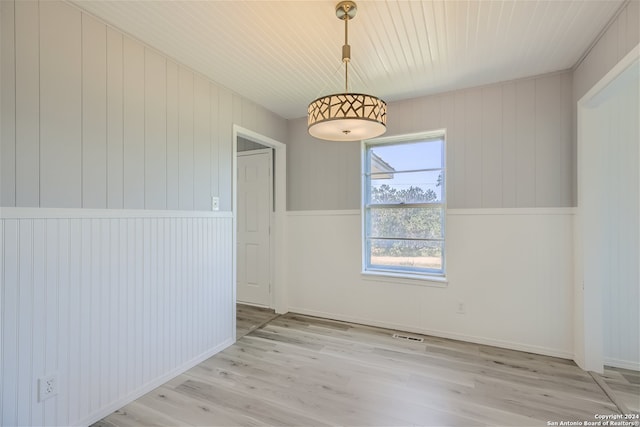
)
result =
(91, 118)
(94, 119)
(622, 35)
(508, 145)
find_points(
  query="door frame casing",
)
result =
(588, 310)
(278, 230)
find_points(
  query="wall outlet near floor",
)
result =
(215, 203)
(47, 387)
(461, 308)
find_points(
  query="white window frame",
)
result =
(398, 275)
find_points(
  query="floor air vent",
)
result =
(408, 338)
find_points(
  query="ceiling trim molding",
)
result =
(600, 35)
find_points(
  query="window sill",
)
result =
(405, 279)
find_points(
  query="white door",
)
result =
(254, 217)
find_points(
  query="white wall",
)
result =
(115, 302)
(97, 123)
(511, 268)
(508, 146)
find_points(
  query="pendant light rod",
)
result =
(346, 10)
(346, 53)
(346, 76)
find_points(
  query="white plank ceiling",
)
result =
(284, 54)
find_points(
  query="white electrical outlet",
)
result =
(47, 387)
(215, 203)
(461, 308)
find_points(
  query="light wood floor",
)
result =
(623, 387)
(304, 371)
(249, 318)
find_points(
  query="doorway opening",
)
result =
(259, 206)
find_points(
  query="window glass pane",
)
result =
(405, 255)
(408, 156)
(407, 187)
(404, 206)
(416, 223)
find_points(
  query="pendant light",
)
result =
(347, 116)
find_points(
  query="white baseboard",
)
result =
(440, 334)
(624, 364)
(103, 412)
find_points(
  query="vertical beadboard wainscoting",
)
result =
(509, 275)
(111, 303)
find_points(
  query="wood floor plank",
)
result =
(250, 405)
(623, 385)
(195, 412)
(305, 371)
(138, 413)
(249, 318)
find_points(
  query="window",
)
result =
(404, 205)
